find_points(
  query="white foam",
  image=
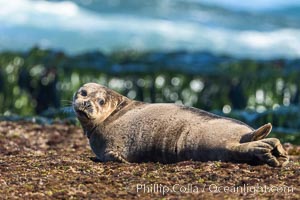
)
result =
(253, 5)
(65, 25)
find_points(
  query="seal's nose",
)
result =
(87, 104)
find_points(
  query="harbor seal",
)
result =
(125, 130)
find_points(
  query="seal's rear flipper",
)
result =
(265, 151)
(261, 132)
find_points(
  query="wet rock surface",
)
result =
(55, 162)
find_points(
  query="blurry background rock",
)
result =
(229, 57)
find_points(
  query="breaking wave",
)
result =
(74, 28)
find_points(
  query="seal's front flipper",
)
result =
(114, 156)
(261, 132)
(269, 151)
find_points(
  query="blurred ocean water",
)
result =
(260, 29)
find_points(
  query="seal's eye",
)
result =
(83, 93)
(101, 102)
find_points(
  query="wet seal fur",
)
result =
(124, 130)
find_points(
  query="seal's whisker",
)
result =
(67, 102)
(67, 105)
(67, 109)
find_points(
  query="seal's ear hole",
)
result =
(101, 102)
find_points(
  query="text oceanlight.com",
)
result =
(214, 188)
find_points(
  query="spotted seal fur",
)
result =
(124, 130)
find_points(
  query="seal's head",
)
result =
(93, 103)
